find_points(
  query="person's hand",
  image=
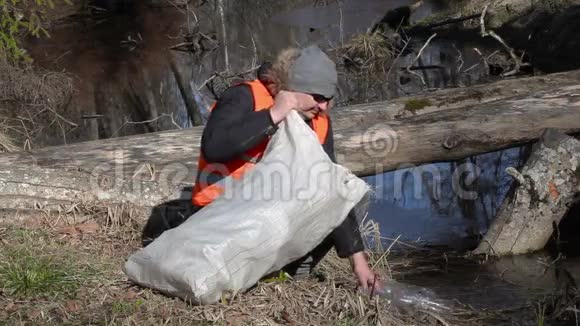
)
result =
(367, 279)
(305, 102)
(286, 101)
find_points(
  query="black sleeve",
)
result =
(347, 237)
(234, 127)
(329, 142)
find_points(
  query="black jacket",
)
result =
(234, 127)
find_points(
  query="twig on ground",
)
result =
(492, 54)
(397, 57)
(471, 68)
(190, 27)
(153, 120)
(489, 244)
(386, 253)
(207, 37)
(214, 75)
(178, 46)
(62, 130)
(373, 287)
(402, 243)
(460, 59)
(92, 116)
(175, 5)
(63, 118)
(220, 5)
(340, 22)
(450, 21)
(439, 318)
(128, 122)
(417, 58)
(255, 57)
(485, 63)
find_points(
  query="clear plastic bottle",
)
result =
(411, 298)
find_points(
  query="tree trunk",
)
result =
(193, 109)
(546, 189)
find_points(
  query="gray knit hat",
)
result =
(314, 73)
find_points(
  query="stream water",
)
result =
(121, 63)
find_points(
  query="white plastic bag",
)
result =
(278, 212)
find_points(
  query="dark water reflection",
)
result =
(443, 203)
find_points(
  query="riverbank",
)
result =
(54, 271)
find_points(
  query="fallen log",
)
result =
(501, 13)
(165, 162)
(182, 146)
(452, 98)
(546, 189)
(454, 134)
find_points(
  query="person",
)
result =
(247, 114)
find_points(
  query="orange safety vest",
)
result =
(206, 189)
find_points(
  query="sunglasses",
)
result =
(321, 98)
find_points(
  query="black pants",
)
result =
(167, 216)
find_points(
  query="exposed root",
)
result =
(460, 60)
(517, 60)
(417, 58)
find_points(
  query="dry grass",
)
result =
(30, 102)
(84, 284)
(366, 61)
(7, 143)
(34, 86)
(369, 52)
